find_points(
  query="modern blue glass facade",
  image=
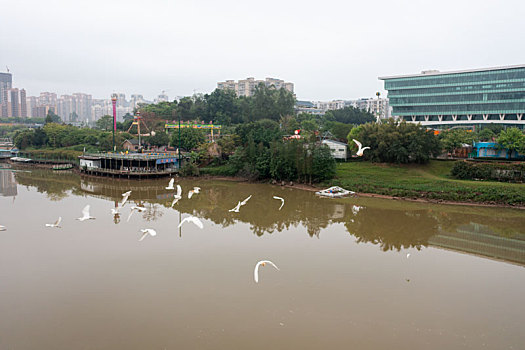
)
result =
(494, 95)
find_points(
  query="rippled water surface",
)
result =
(344, 282)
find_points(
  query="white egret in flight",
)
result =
(194, 191)
(192, 219)
(3, 228)
(246, 200)
(170, 185)
(177, 196)
(85, 214)
(147, 231)
(125, 197)
(261, 263)
(361, 148)
(356, 208)
(236, 208)
(56, 224)
(140, 209)
(281, 199)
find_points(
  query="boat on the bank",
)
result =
(63, 167)
(334, 192)
(20, 159)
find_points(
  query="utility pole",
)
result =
(180, 164)
(377, 108)
(114, 102)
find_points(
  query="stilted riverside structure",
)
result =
(132, 165)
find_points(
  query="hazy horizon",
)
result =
(334, 51)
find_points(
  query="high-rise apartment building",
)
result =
(14, 103)
(23, 104)
(247, 86)
(6, 83)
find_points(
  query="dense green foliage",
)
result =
(262, 153)
(189, 138)
(57, 135)
(224, 107)
(395, 142)
(512, 139)
(455, 138)
(465, 170)
(350, 115)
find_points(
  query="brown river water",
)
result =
(345, 281)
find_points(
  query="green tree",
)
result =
(395, 142)
(159, 139)
(104, 123)
(486, 134)
(52, 118)
(512, 139)
(350, 115)
(190, 138)
(455, 138)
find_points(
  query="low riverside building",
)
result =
(494, 150)
(129, 165)
(339, 150)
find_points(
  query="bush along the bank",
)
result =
(509, 172)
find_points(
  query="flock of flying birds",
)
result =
(176, 197)
(190, 219)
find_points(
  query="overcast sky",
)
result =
(328, 49)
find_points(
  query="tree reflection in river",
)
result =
(391, 226)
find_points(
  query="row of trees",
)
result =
(224, 107)
(54, 135)
(509, 138)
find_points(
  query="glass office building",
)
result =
(468, 97)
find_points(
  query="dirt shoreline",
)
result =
(311, 188)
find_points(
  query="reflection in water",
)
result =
(480, 231)
(7, 183)
(93, 283)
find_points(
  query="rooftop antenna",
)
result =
(6, 67)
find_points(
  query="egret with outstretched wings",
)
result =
(361, 148)
(261, 263)
(192, 219)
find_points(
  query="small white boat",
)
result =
(20, 159)
(334, 192)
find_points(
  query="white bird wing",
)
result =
(256, 270)
(172, 181)
(58, 221)
(130, 213)
(175, 200)
(281, 199)
(196, 189)
(126, 194)
(365, 148)
(179, 191)
(183, 221)
(236, 208)
(358, 143)
(196, 221)
(246, 200)
(190, 193)
(124, 199)
(144, 234)
(85, 212)
(2, 228)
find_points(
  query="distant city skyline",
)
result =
(329, 50)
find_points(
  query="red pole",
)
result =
(114, 102)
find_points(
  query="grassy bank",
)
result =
(430, 181)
